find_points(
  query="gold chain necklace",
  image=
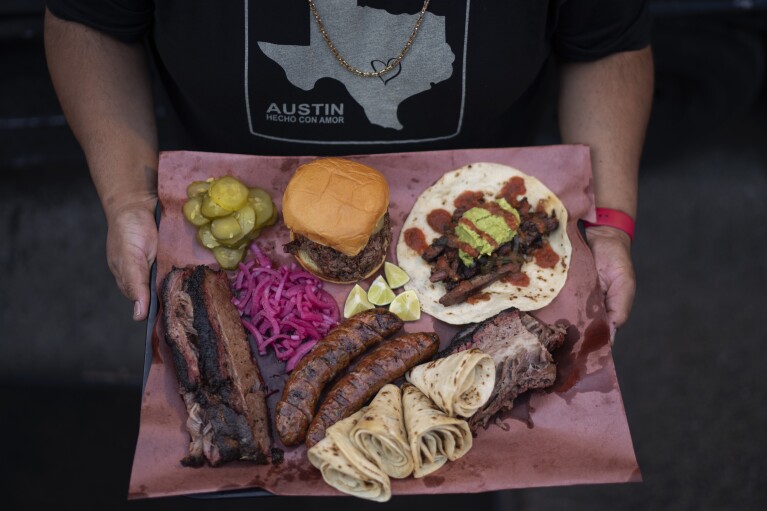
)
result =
(367, 74)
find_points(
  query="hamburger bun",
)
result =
(338, 204)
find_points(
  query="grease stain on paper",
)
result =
(433, 481)
(573, 374)
(256, 482)
(156, 336)
(521, 411)
(298, 469)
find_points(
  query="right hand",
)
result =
(131, 250)
(612, 255)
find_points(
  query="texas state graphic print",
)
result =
(296, 90)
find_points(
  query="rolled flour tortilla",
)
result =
(459, 384)
(380, 433)
(345, 468)
(434, 437)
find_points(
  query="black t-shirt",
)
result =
(257, 77)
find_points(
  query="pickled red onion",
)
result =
(285, 308)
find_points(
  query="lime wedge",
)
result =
(395, 276)
(380, 293)
(406, 306)
(356, 302)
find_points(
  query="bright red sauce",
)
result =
(545, 257)
(415, 239)
(485, 236)
(478, 297)
(439, 220)
(519, 279)
(468, 200)
(513, 188)
(508, 217)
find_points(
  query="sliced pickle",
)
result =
(192, 212)
(226, 228)
(259, 193)
(246, 217)
(197, 189)
(240, 242)
(227, 257)
(229, 193)
(206, 238)
(272, 219)
(262, 203)
(212, 210)
(228, 216)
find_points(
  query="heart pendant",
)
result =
(380, 64)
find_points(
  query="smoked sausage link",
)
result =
(328, 359)
(383, 365)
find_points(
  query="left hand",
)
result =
(131, 249)
(612, 253)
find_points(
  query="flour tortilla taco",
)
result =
(504, 230)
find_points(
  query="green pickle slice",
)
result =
(263, 206)
(212, 210)
(226, 228)
(197, 189)
(206, 238)
(228, 258)
(192, 212)
(228, 216)
(246, 217)
(229, 193)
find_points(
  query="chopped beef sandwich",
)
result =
(337, 213)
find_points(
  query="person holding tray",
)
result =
(336, 77)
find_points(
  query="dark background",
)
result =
(690, 362)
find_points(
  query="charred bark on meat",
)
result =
(218, 379)
(332, 355)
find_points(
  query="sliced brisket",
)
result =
(520, 346)
(219, 381)
(179, 331)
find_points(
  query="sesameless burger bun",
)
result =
(336, 211)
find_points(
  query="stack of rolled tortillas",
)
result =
(414, 430)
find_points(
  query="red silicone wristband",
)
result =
(613, 218)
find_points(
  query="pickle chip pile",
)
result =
(228, 216)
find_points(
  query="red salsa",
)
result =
(468, 200)
(485, 236)
(439, 220)
(519, 279)
(513, 188)
(478, 297)
(545, 257)
(508, 217)
(415, 239)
